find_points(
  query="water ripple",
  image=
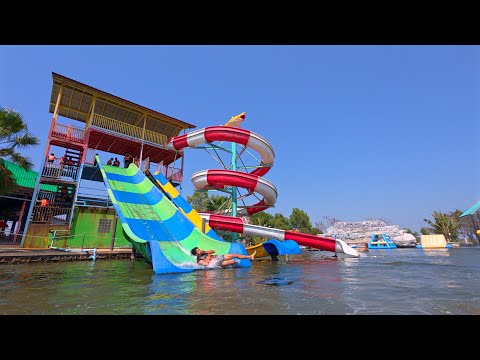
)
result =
(401, 281)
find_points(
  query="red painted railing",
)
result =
(68, 132)
(175, 174)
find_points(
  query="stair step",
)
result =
(73, 151)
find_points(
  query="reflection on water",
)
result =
(398, 281)
(437, 252)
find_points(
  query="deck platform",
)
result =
(17, 255)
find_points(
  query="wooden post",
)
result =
(92, 112)
(86, 134)
(20, 219)
(57, 105)
(143, 137)
(115, 217)
(83, 240)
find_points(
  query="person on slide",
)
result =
(205, 257)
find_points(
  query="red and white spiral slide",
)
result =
(253, 182)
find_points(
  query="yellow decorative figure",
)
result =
(236, 121)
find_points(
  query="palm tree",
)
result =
(218, 202)
(199, 200)
(13, 134)
(445, 224)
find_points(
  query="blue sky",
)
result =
(358, 131)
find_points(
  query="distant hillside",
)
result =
(362, 231)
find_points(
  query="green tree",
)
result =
(261, 218)
(444, 223)
(315, 231)
(226, 235)
(425, 231)
(199, 200)
(458, 226)
(300, 220)
(467, 228)
(14, 135)
(7, 180)
(279, 221)
(218, 202)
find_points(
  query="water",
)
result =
(399, 281)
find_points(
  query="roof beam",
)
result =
(74, 88)
(115, 113)
(66, 108)
(99, 141)
(59, 98)
(121, 152)
(149, 150)
(81, 100)
(113, 142)
(140, 119)
(132, 107)
(70, 103)
(89, 117)
(104, 105)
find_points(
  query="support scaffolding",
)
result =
(110, 125)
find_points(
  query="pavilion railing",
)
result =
(110, 124)
(174, 174)
(171, 173)
(58, 170)
(145, 164)
(68, 132)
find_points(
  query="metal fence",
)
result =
(57, 170)
(9, 238)
(88, 196)
(171, 173)
(51, 214)
(58, 238)
(175, 174)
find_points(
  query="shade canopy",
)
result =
(77, 99)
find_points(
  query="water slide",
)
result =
(235, 224)
(273, 248)
(253, 182)
(156, 226)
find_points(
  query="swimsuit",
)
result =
(218, 258)
(201, 257)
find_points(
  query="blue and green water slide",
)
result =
(156, 227)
